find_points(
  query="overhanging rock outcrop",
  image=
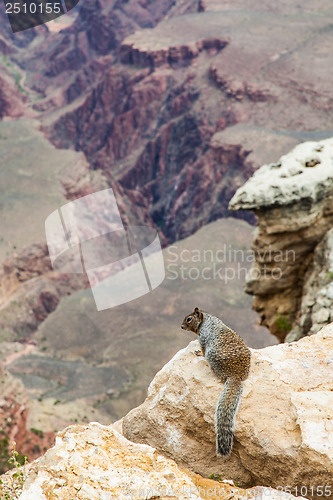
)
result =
(284, 431)
(293, 247)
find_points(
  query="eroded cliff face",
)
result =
(175, 102)
(292, 274)
(152, 93)
(145, 90)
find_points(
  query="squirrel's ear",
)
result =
(197, 311)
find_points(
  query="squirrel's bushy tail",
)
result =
(225, 416)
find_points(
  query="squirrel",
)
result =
(230, 359)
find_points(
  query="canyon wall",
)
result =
(291, 279)
(151, 92)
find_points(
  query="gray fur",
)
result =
(225, 415)
(229, 358)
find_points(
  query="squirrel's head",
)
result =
(193, 321)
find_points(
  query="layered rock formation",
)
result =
(94, 462)
(156, 47)
(283, 430)
(143, 88)
(293, 269)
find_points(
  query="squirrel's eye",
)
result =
(189, 319)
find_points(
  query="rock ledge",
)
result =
(284, 431)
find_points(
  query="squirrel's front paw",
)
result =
(198, 352)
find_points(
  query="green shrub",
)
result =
(283, 323)
(12, 488)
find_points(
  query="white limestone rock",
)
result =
(306, 173)
(95, 462)
(284, 428)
